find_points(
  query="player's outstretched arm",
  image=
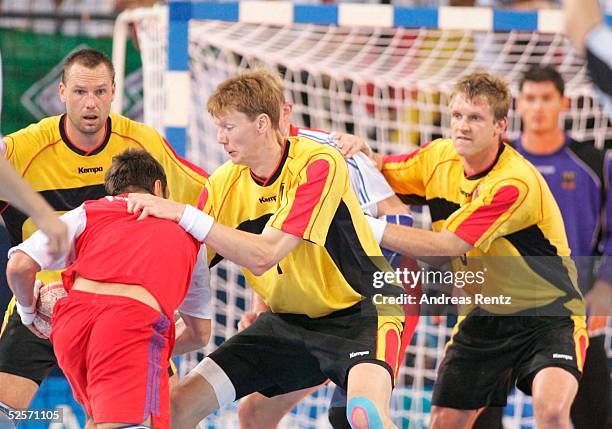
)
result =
(192, 333)
(581, 16)
(21, 276)
(256, 252)
(17, 192)
(417, 242)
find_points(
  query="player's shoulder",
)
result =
(32, 140)
(515, 170)
(42, 133)
(438, 150)
(441, 146)
(127, 128)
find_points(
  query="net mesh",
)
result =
(390, 86)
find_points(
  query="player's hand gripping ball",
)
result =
(48, 296)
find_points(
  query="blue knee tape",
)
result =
(374, 420)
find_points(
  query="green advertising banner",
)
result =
(32, 69)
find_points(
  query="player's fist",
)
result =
(349, 144)
(247, 319)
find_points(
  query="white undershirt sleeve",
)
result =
(36, 246)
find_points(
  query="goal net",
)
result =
(389, 86)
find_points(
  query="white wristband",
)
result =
(27, 313)
(378, 227)
(196, 223)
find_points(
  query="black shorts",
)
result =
(24, 354)
(488, 354)
(281, 353)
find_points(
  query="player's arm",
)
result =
(307, 213)
(258, 306)
(256, 252)
(581, 17)
(16, 191)
(32, 256)
(194, 327)
(416, 242)
(496, 213)
(192, 333)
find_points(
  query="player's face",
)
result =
(88, 94)
(540, 105)
(473, 126)
(239, 136)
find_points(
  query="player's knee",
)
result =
(363, 414)
(551, 414)
(337, 418)
(249, 415)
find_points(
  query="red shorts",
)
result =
(114, 352)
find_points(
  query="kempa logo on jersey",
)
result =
(267, 199)
(562, 356)
(83, 170)
(355, 354)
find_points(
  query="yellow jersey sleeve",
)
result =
(493, 213)
(312, 199)
(409, 174)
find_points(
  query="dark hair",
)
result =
(134, 170)
(538, 73)
(90, 58)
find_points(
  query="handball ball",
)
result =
(48, 295)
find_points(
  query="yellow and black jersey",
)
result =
(309, 196)
(66, 175)
(505, 211)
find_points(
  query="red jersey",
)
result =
(111, 246)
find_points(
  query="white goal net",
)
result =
(389, 86)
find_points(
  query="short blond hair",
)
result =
(251, 92)
(489, 87)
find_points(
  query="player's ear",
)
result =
(566, 103)
(262, 123)
(501, 126)
(286, 111)
(62, 91)
(159, 190)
